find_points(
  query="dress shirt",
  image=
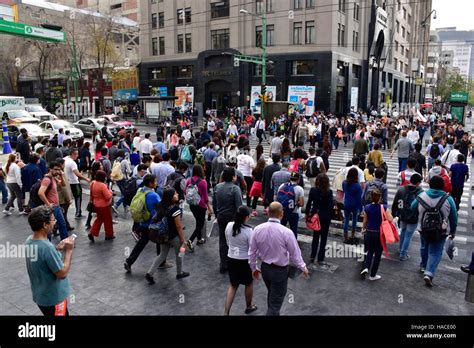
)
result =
(161, 172)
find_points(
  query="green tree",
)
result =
(452, 83)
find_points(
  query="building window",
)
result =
(309, 3)
(180, 43)
(154, 21)
(116, 6)
(409, 19)
(407, 53)
(161, 20)
(154, 46)
(310, 33)
(183, 72)
(406, 68)
(303, 67)
(356, 69)
(404, 13)
(297, 4)
(408, 37)
(270, 35)
(189, 47)
(162, 45)
(342, 5)
(356, 11)
(397, 26)
(153, 1)
(269, 5)
(401, 66)
(220, 9)
(258, 69)
(341, 34)
(220, 39)
(396, 46)
(258, 36)
(183, 15)
(402, 49)
(297, 33)
(158, 73)
(395, 63)
(355, 41)
(259, 6)
(403, 32)
(399, 5)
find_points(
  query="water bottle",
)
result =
(182, 251)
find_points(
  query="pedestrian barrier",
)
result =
(7, 149)
(470, 289)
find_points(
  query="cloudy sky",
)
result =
(453, 13)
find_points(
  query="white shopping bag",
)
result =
(214, 229)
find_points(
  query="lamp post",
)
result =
(263, 60)
(424, 24)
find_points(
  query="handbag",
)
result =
(313, 223)
(388, 231)
(90, 206)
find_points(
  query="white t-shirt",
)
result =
(69, 167)
(136, 142)
(299, 192)
(186, 134)
(276, 145)
(146, 146)
(413, 136)
(211, 126)
(361, 173)
(245, 163)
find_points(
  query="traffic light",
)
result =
(264, 90)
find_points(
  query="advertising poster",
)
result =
(125, 84)
(255, 93)
(303, 98)
(354, 99)
(185, 97)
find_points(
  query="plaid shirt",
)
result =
(279, 178)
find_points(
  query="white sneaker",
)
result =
(7, 212)
(377, 277)
(23, 213)
(364, 272)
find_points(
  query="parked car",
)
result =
(18, 116)
(40, 113)
(53, 127)
(35, 132)
(89, 125)
(115, 121)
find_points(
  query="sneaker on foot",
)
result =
(127, 267)
(422, 269)
(377, 277)
(149, 279)
(166, 265)
(7, 212)
(115, 222)
(23, 212)
(428, 281)
(190, 246)
(182, 275)
(201, 241)
(135, 236)
(404, 258)
(364, 272)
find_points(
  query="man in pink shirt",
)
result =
(276, 246)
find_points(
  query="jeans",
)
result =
(431, 254)
(161, 258)
(430, 163)
(374, 252)
(406, 234)
(402, 164)
(159, 191)
(276, 281)
(323, 233)
(3, 189)
(15, 193)
(121, 185)
(142, 242)
(199, 214)
(58, 215)
(336, 143)
(293, 219)
(456, 193)
(347, 217)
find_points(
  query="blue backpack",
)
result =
(286, 196)
(186, 155)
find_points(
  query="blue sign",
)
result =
(163, 91)
(126, 94)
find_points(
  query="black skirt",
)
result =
(239, 272)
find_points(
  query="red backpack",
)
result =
(448, 187)
(294, 166)
(405, 182)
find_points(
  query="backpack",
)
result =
(371, 186)
(175, 181)
(405, 182)
(138, 207)
(448, 187)
(34, 196)
(130, 191)
(407, 214)
(174, 153)
(186, 155)
(116, 173)
(286, 196)
(159, 230)
(435, 151)
(294, 166)
(312, 169)
(192, 195)
(199, 160)
(433, 225)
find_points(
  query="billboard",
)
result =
(185, 97)
(255, 93)
(303, 98)
(125, 84)
(355, 99)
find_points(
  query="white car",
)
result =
(37, 111)
(53, 127)
(35, 132)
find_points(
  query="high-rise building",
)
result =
(125, 8)
(461, 43)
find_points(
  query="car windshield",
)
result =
(115, 118)
(35, 108)
(100, 121)
(31, 128)
(18, 114)
(62, 124)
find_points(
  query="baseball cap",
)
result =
(295, 176)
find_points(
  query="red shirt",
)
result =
(51, 195)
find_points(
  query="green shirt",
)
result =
(42, 263)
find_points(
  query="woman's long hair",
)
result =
(285, 146)
(322, 183)
(166, 201)
(239, 220)
(11, 159)
(259, 167)
(259, 150)
(352, 176)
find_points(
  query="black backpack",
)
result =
(34, 192)
(435, 151)
(312, 169)
(407, 214)
(433, 224)
(130, 190)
